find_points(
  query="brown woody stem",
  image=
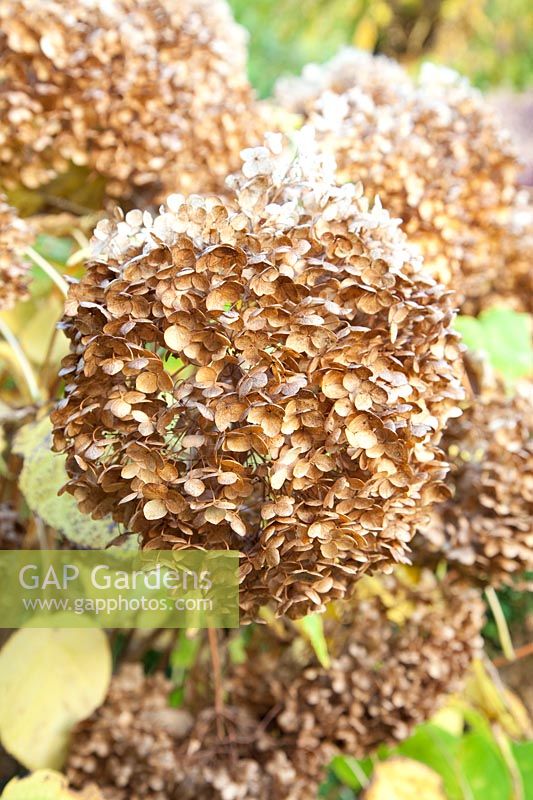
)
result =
(521, 652)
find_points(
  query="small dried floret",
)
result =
(397, 649)
(150, 94)
(269, 374)
(486, 529)
(15, 236)
(137, 748)
(435, 153)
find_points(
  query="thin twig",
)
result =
(49, 350)
(25, 366)
(47, 268)
(521, 652)
(67, 205)
(217, 680)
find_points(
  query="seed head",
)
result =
(150, 94)
(270, 374)
(15, 236)
(436, 155)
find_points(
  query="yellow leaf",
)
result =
(46, 785)
(497, 703)
(37, 333)
(366, 34)
(450, 719)
(8, 357)
(50, 679)
(401, 611)
(404, 779)
(370, 586)
(312, 628)
(33, 323)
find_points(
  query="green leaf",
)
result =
(182, 659)
(184, 654)
(351, 772)
(484, 768)
(312, 628)
(437, 749)
(505, 337)
(238, 643)
(523, 756)
(54, 248)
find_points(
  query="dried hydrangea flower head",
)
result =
(432, 149)
(486, 529)
(138, 748)
(398, 648)
(247, 763)
(15, 236)
(270, 375)
(128, 743)
(513, 286)
(148, 93)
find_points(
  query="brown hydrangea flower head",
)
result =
(399, 646)
(151, 94)
(486, 529)
(127, 745)
(247, 763)
(269, 374)
(434, 152)
(15, 236)
(137, 748)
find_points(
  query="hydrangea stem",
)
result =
(501, 623)
(52, 273)
(20, 357)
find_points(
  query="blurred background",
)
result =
(488, 40)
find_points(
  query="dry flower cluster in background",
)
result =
(15, 236)
(317, 369)
(138, 748)
(438, 158)
(150, 94)
(401, 645)
(398, 648)
(484, 529)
